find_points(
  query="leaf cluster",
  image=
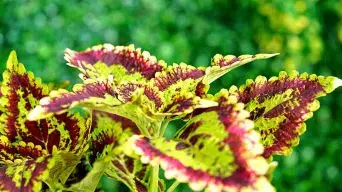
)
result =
(129, 97)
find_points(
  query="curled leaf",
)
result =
(91, 93)
(220, 65)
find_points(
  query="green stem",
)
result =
(154, 179)
(173, 186)
(145, 132)
(163, 128)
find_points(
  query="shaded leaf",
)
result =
(91, 180)
(30, 174)
(110, 131)
(23, 176)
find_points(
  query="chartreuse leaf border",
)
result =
(35, 154)
(187, 159)
(226, 144)
(279, 106)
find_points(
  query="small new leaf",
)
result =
(221, 65)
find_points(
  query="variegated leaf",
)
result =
(21, 92)
(280, 106)
(92, 92)
(147, 123)
(221, 65)
(23, 176)
(17, 151)
(217, 150)
(176, 91)
(98, 95)
(173, 92)
(60, 138)
(31, 174)
(176, 76)
(120, 61)
(110, 131)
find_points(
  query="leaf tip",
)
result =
(205, 103)
(337, 83)
(12, 59)
(37, 113)
(68, 56)
(259, 165)
(271, 55)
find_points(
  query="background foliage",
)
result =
(307, 33)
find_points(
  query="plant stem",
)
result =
(145, 132)
(163, 128)
(154, 179)
(173, 186)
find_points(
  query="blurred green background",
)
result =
(307, 33)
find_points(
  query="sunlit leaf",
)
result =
(221, 65)
(174, 91)
(226, 158)
(116, 58)
(59, 140)
(280, 106)
(92, 92)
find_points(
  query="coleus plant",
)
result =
(129, 97)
